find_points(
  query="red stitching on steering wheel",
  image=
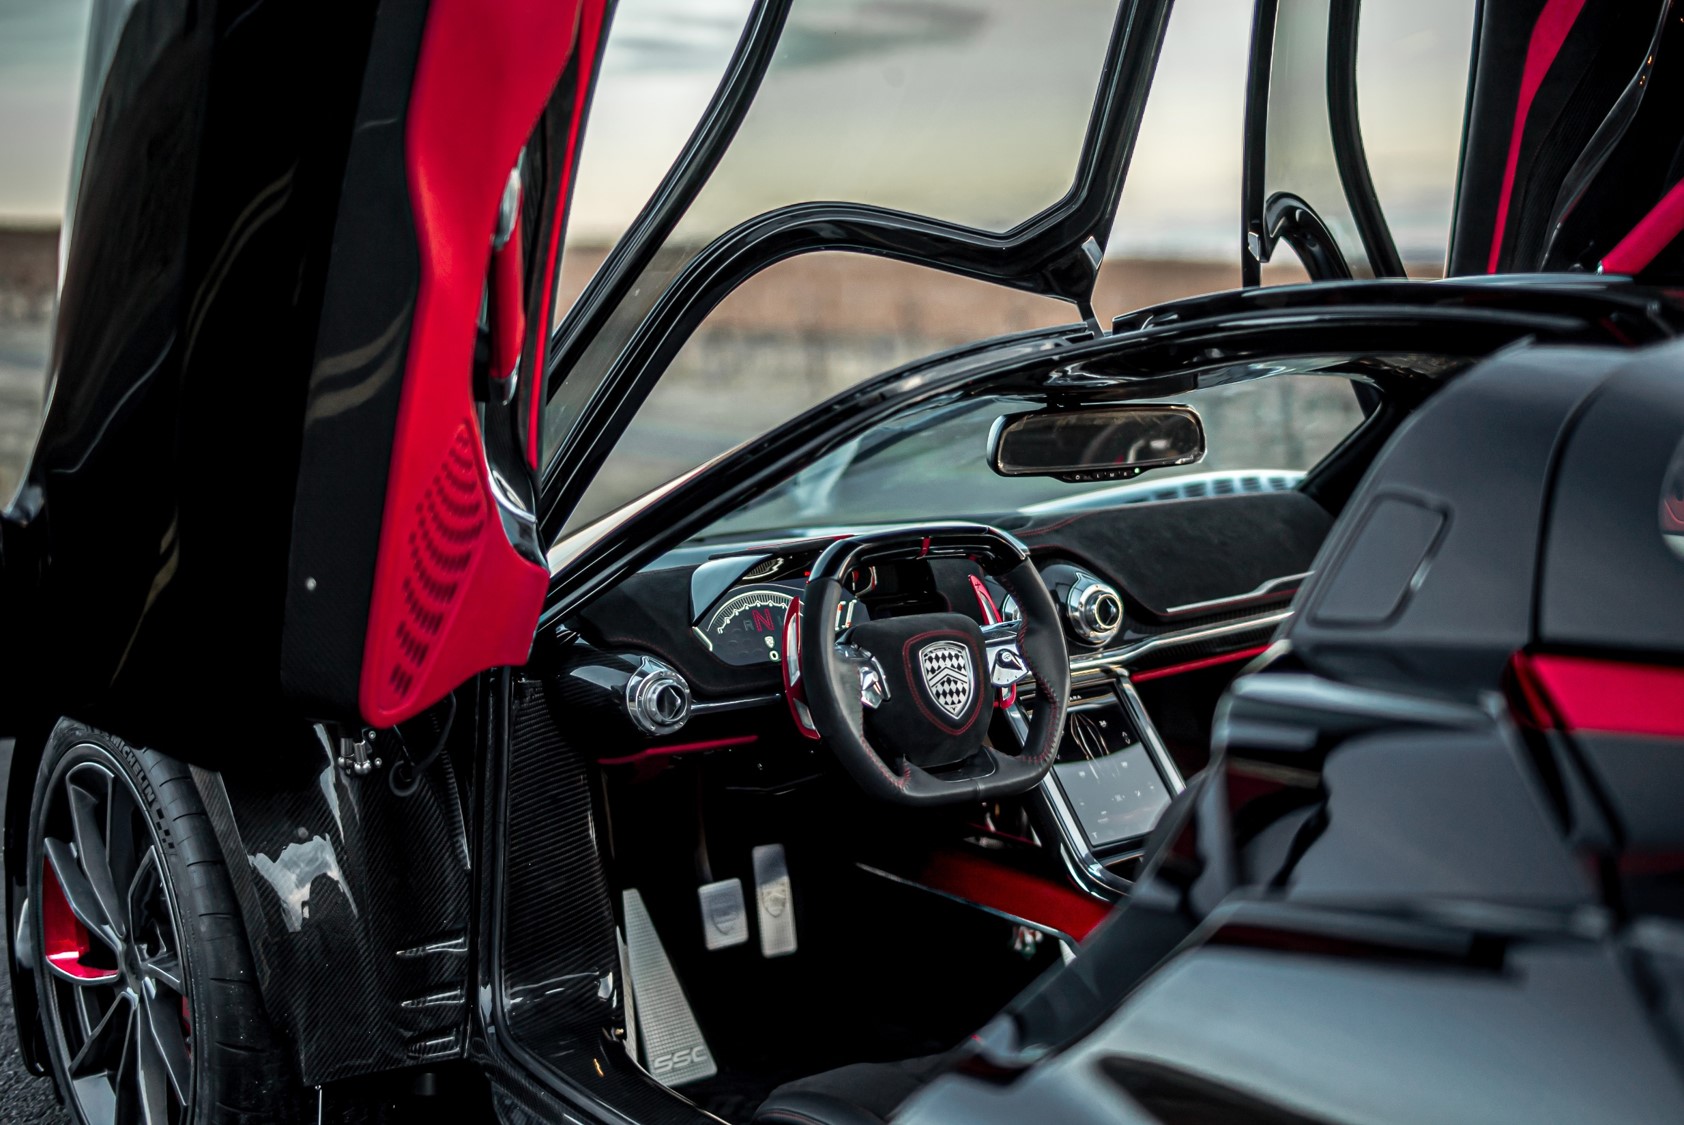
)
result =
(1041, 686)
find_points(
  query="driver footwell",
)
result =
(878, 972)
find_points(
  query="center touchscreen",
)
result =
(1109, 779)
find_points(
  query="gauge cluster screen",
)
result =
(745, 627)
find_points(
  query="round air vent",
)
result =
(657, 698)
(1093, 610)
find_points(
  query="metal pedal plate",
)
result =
(774, 905)
(724, 917)
(673, 1048)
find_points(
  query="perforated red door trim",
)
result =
(451, 596)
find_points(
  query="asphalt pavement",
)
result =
(23, 1097)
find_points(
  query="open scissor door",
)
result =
(414, 559)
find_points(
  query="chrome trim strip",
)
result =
(1271, 588)
(714, 706)
(1149, 734)
(1119, 658)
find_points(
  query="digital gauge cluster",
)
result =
(746, 626)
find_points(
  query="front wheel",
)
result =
(148, 996)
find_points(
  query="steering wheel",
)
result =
(905, 703)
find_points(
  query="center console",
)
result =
(1112, 780)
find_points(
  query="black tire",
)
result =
(179, 945)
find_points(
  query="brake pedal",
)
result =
(673, 1048)
(724, 918)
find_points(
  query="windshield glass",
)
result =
(973, 113)
(1262, 433)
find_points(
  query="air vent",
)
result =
(657, 698)
(1093, 610)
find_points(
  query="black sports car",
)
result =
(992, 741)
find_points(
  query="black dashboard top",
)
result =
(714, 612)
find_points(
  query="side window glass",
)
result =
(1300, 165)
(1179, 215)
(786, 340)
(42, 44)
(1407, 70)
(1412, 81)
(971, 113)
(661, 64)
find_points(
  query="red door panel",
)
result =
(415, 562)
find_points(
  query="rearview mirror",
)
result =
(1097, 442)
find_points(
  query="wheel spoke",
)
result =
(79, 893)
(104, 1049)
(122, 1032)
(121, 844)
(151, 1075)
(165, 969)
(169, 1043)
(126, 1080)
(147, 878)
(87, 824)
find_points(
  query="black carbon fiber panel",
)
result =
(356, 902)
(558, 965)
(560, 962)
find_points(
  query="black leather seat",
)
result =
(861, 1094)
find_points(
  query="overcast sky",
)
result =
(40, 69)
(988, 97)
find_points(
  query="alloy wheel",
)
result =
(115, 986)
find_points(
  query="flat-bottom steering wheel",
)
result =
(905, 703)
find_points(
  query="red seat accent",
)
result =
(1578, 693)
(1653, 233)
(1555, 20)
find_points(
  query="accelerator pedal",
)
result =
(673, 1048)
(772, 897)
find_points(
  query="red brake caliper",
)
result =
(67, 941)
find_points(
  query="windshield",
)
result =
(1262, 434)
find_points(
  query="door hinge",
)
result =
(356, 755)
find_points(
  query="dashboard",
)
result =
(1132, 581)
(693, 643)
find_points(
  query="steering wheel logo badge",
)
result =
(947, 673)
